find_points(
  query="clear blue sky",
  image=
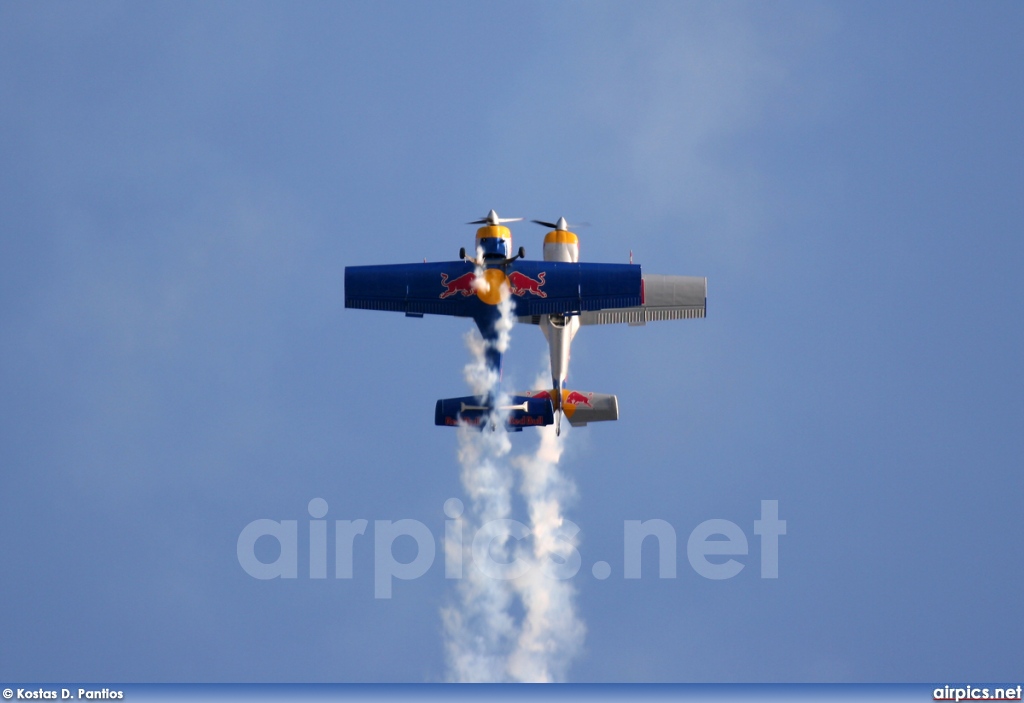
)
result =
(182, 185)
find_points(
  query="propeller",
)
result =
(493, 220)
(561, 225)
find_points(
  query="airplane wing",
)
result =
(664, 298)
(442, 288)
(538, 288)
(572, 288)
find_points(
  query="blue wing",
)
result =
(573, 288)
(441, 288)
(538, 288)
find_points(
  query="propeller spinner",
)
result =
(561, 225)
(493, 220)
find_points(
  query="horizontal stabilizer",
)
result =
(522, 411)
(581, 407)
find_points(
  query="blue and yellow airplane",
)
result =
(558, 294)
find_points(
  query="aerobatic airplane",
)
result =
(558, 294)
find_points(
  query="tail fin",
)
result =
(581, 407)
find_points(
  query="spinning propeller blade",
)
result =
(561, 225)
(493, 219)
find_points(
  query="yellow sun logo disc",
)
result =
(493, 287)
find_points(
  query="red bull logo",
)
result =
(573, 398)
(526, 421)
(522, 284)
(463, 284)
(577, 398)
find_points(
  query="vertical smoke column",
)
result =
(551, 634)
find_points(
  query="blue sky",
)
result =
(184, 183)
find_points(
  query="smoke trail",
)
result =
(480, 629)
(551, 634)
(483, 640)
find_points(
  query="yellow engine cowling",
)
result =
(495, 241)
(561, 245)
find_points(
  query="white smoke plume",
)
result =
(551, 634)
(484, 641)
(480, 630)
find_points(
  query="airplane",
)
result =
(558, 294)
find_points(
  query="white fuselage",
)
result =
(559, 330)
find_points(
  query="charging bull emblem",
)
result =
(463, 284)
(522, 284)
(573, 398)
(577, 398)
